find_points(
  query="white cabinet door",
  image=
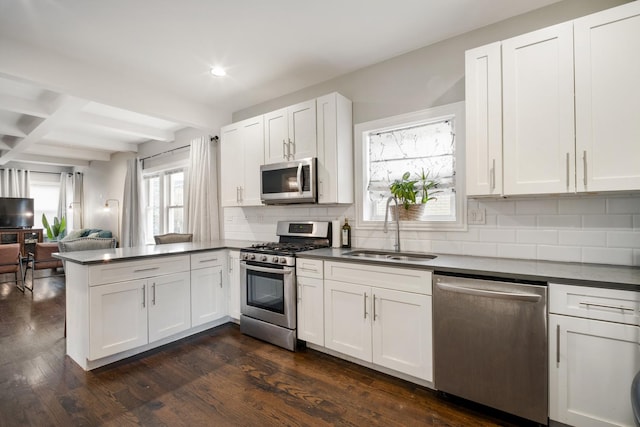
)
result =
(231, 165)
(253, 143)
(302, 130)
(208, 300)
(590, 373)
(483, 89)
(334, 124)
(311, 310)
(347, 319)
(607, 67)
(290, 133)
(234, 285)
(117, 318)
(276, 137)
(538, 112)
(402, 332)
(169, 305)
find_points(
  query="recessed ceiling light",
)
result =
(218, 71)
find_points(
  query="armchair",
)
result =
(40, 259)
(11, 262)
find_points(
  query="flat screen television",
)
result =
(16, 212)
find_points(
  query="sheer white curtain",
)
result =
(15, 183)
(77, 201)
(133, 206)
(62, 195)
(201, 205)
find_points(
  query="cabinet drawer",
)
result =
(131, 270)
(400, 279)
(207, 259)
(309, 268)
(595, 303)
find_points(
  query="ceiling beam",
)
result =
(11, 130)
(69, 152)
(23, 106)
(61, 139)
(63, 107)
(48, 160)
(126, 128)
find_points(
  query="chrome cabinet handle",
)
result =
(613, 307)
(299, 293)
(568, 171)
(144, 296)
(374, 308)
(365, 305)
(584, 164)
(140, 270)
(292, 153)
(220, 279)
(230, 261)
(492, 175)
(238, 194)
(208, 260)
(153, 289)
(284, 150)
(558, 344)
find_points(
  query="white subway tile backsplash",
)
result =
(608, 221)
(623, 205)
(607, 256)
(517, 221)
(479, 249)
(577, 229)
(549, 237)
(623, 239)
(537, 207)
(559, 253)
(559, 221)
(582, 206)
(517, 251)
(582, 238)
(497, 235)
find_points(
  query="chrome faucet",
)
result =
(386, 222)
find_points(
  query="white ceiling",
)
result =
(269, 48)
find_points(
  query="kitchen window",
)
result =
(431, 140)
(164, 191)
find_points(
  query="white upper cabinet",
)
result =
(607, 47)
(335, 149)
(538, 121)
(483, 88)
(290, 133)
(241, 153)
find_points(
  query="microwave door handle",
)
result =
(299, 178)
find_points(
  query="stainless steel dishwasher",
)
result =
(490, 343)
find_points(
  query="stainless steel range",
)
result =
(268, 281)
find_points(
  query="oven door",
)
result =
(268, 293)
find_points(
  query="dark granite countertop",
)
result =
(599, 275)
(129, 254)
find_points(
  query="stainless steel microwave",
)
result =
(289, 182)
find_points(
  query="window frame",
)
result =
(164, 194)
(455, 112)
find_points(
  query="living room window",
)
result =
(164, 191)
(431, 141)
(44, 190)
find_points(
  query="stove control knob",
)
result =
(244, 256)
(263, 258)
(252, 257)
(283, 260)
(275, 259)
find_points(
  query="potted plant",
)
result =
(413, 194)
(57, 229)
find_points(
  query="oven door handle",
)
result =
(269, 270)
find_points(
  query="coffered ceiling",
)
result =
(71, 89)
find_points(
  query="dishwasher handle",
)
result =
(520, 296)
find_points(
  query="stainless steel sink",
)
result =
(391, 255)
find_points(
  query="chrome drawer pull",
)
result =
(613, 307)
(208, 260)
(145, 269)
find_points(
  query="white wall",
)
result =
(595, 229)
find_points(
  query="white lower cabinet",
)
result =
(310, 301)
(126, 315)
(592, 362)
(382, 324)
(208, 295)
(234, 284)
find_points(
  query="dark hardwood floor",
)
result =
(217, 378)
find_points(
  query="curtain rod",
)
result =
(211, 139)
(37, 171)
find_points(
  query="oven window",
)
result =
(266, 291)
